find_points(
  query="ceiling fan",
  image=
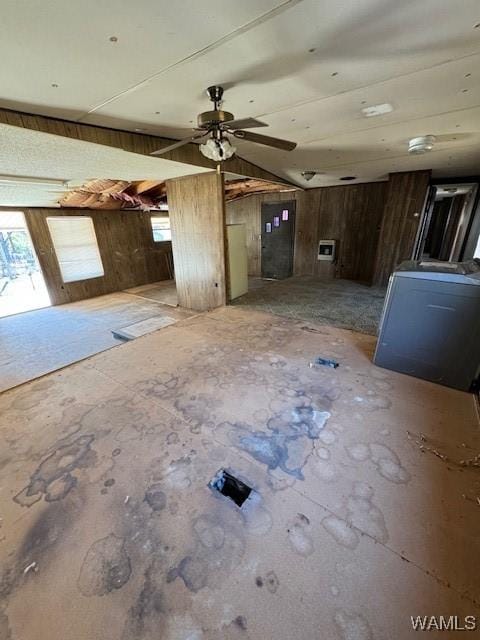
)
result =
(216, 124)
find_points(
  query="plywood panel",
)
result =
(351, 215)
(197, 215)
(306, 232)
(248, 211)
(327, 206)
(237, 260)
(405, 199)
(130, 257)
(368, 231)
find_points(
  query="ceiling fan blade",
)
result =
(246, 123)
(268, 141)
(180, 143)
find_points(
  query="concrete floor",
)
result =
(356, 522)
(45, 340)
(164, 292)
(37, 342)
(337, 303)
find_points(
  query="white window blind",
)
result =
(76, 247)
(161, 228)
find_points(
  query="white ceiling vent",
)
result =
(377, 110)
(420, 145)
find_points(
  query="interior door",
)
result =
(278, 237)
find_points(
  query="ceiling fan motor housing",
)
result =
(209, 119)
(215, 93)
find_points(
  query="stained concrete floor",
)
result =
(356, 522)
(37, 342)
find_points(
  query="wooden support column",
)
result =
(197, 216)
(404, 202)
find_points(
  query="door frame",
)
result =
(26, 228)
(426, 218)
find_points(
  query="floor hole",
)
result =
(326, 362)
(230, 487)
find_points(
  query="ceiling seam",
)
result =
(356, 162)
(389, 124)
(265, 17)
(366, 86)
(379, 126)
(395, 157)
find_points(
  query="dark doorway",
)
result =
(446, 221)
(278, 235)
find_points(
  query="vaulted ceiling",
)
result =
(305, 67)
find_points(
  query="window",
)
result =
(76, 247)
(161, 228)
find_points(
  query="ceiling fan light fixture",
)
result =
(217, 150)
(216, 124)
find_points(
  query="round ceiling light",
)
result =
(308, 174)
(217, 150)
(420, 145)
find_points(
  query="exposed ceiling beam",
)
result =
(235, 189)
(149, 194)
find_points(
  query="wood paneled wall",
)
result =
(248, 211)
(135, 142)
(130, 256)
(350, 214)
(404, 202)
(197, 215)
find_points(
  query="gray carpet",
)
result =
(339, 303)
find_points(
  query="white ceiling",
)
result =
(37, 155)
(305, 67)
